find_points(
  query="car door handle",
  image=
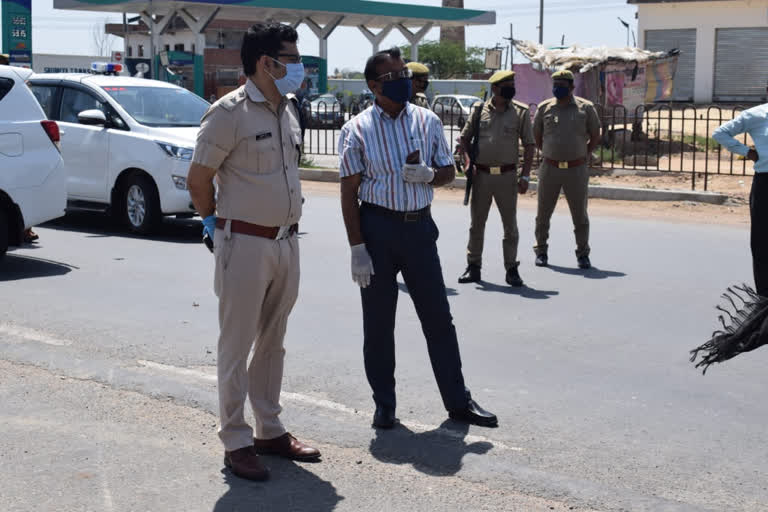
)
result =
(62, 132)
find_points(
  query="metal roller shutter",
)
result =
(685, 41)
(741, 64)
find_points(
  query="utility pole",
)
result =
(541, 21)
(511, 50)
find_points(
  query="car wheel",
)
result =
(3, 233)
(140, 204)
(461, 122)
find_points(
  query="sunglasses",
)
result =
(395, 75)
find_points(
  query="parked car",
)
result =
(325, 111)
(454, 109)
(127, 143)
(33, 183)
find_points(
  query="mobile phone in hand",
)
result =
(413, 157)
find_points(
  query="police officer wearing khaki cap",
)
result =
(249, 141)
(4, 59)
(567, 129)
(500, 124)
(419, 83)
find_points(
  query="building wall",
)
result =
(705, 17)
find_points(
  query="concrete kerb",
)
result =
(596, 191)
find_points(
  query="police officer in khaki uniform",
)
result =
(503, 124)
(567, 130)
(249, 141)
(419, 84)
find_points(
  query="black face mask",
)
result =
(508, 92)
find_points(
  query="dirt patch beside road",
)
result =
(735, 213)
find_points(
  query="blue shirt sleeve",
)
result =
(725, 135)
(351, 157)
(442, 155)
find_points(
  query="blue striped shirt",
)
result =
(375, 145)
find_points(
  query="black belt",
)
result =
(401, 216)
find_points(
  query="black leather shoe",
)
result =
(471, 275)
(384, 417)
(475, 415)
(584, 262)
(542, 260)
(513, 278)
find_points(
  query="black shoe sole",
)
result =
(467, 281)
(384, 426)
(490, 423)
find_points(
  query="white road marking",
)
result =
(330, 405)
(27, 334)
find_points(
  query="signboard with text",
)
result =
(17, 31)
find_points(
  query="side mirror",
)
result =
(92, 117)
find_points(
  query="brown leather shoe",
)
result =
(285, 446)
(245, 463)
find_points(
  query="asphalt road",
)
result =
(587, 371)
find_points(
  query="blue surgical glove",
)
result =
(209, 225)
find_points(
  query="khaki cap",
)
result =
(418, 69)
(563, 74)
(501, 76)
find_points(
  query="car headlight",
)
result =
(178, 152)
(180, 182)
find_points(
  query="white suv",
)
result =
(32, 177)
(127, 143)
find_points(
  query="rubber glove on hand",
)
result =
(209, 225)
(362, 266)
(418, 173)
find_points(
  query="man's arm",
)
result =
(215, 140)
(350, 208)
(593, 125)
(725, 135)
(538, 127)
(201, 190)
(529, 142)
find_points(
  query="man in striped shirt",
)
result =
(391, 156)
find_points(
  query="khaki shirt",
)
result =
(256, 155)
(500, 133)
(565, 130)
(420, 100)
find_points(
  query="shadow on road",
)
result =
(15, 268)
(438, 452)
(450, 292)
(591, 273)
(100, 225)
(290, 487)
(524, 291)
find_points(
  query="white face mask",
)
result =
(294, 76)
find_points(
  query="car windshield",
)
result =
(467, 102)
(160, 106)
(324, 99)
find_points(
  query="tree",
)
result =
(448, 59)
(102, 42)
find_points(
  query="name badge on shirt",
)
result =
(262, 136)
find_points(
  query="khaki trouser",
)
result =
(503, 189)
(257, 282)
(574, 183)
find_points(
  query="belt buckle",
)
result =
(411, 216)
(562, 164)
(495, 170)
(283, 232)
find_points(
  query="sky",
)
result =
(586, 22)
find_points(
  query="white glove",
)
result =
(418, 173)
(362, 266)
